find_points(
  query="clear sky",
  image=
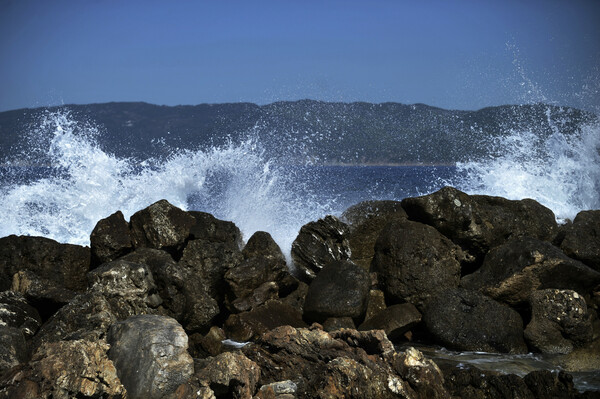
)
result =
(454, 54)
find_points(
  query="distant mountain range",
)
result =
(306, 131)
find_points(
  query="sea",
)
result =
(79, 183)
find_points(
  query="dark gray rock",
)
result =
(337, 323)
(47, 273)
(110, 239)
(319, 243)
(394, 320)
(16, 312)
(365, 221)
(150, 355)
(14, 349)
(467, 320)
(559, 321)
(341, 289)
(249, 325)
(209, 228)
(513, 270)
(479, 222)
(65, 369)
(161, 226)
(414, 262)
(582, 239)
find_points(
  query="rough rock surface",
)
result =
(479, 222)
(582, 239)
(161, 226)
(365, 221)
(16, 312)
(64, 370)
(49, 274)
(513, 270)
(467, 320)
(341, 289)
(150, 355)
(394, 320)
(230, 374)
(414, 262)
(14, 349)
(559, 321)
(110, 239)
(209, 228)
(319, 243)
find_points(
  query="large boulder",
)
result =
(480, 222)
(582, 239)
(117, 291)
(365, 221)
(467, 320)
(150, 355)
(65, 369)
(559, 321)
(110, 239)
(341, 289)
(49, 274)
(319, 243)
(513, 270)
(209, 228)
(161, 226)
(414, 262)
(394, 320)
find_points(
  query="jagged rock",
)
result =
(394, 320)
(209, 228)
(150, 355)
(161, 226)
(110, 239)
(263, 266)
(287, 387)
(211, 344)
(65, 369)
(296, 298)
(318, 244)
(467, 320)
(49, 274)
(16, 312)
(559, 321)
(582, 239)
(414, 262)
(341, 289)
(259, 296)
(118, 290)
(249, 325)
(375, 304)
(365, 221)
(423, 375)
(513, 270)
(230, 375)
(14, 349)
(480, 222)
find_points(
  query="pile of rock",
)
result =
(172, 305)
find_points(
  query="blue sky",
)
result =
(451, 54)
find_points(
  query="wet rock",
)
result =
(414, 262)
(341, 289)
(65, 369)
(16, 312)
(318, 244)
(365, 221)
(394, 320)
(582, 239)
(117, 291)
(230, 375)
(150, 355)
(161, 226)
(467, 320)
(14, 349)
(249, 325)
(209, 228)
(479, 222)
(584, 359)
(559, 321)
(423, 375)
(110, 239)
(47, 273)
(513, 270)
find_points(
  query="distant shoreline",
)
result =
(343, 165)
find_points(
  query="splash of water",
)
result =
(560, 171)
(85, 184)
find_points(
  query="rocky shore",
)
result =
(174, 304)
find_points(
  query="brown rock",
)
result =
(394, 320)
